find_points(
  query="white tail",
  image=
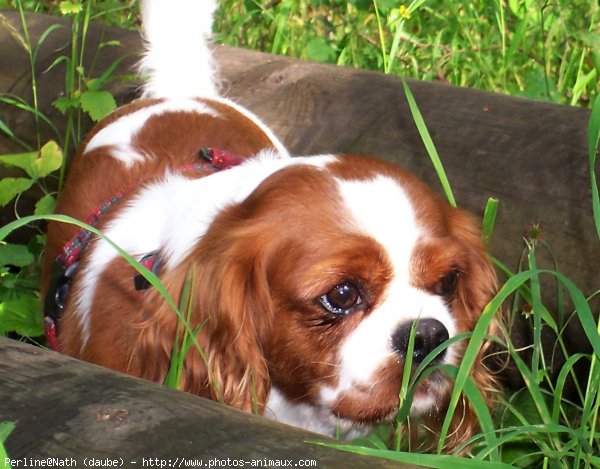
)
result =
(178, 62)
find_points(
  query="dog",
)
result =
(306, 275)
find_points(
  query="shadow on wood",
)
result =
(66, 408)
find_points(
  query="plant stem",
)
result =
(33, 74)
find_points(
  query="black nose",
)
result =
(429, 333)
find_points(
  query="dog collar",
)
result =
(65, 265)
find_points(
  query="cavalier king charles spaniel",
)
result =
(305, 275)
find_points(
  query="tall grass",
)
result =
(539, 49)
(543, 49)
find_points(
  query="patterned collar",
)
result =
(65, 264)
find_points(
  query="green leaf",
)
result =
(385, 5)
(23, 316)
(5, 429)
(6, 129)
(319, 50)
(477, 337)
(523, 453)
(113, 43)
(536, 85)
(20, 103)
(522, 403)
(363, 5)
(489, 217)
(24, 161)
(36, 165)
(98, 104)
(593, 142)
(50, 159)
(16, 255)
(96, 84)
(42, 39)
(45, 205)
(11, 187)
(437, 461)
(64, 103)
(57, 61)
(70, 8)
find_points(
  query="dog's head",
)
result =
(306, 292)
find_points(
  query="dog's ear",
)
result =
(477, 286)
(229, 310)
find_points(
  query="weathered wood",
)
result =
(64, 408)
(530, 155)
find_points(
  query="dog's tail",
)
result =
(178, 62)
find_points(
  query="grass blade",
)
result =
(43, 37)
(536, 302)
(561, 380)
(381, 38)
(489, 218)
(5, 429)
(428, 142)
(405, 397)
(472, 348)
(593, 139)
(483, 414)
(435, 461)
(6, 129)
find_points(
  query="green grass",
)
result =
(546, 50)
(5, 429)
(539, 49)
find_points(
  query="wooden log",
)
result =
(64, 408)
(530, 155)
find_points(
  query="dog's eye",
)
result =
(341, 299)
(446, 286)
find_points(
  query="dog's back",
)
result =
(177, 62)
(181, 112)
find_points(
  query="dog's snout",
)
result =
(429, 333)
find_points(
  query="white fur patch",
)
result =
(281, 150)
(178, 62)
(382, 210)
(315, 419)
(173, 214)
(121, 132)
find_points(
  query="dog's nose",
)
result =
(429, 333)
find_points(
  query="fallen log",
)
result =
(70, 410)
